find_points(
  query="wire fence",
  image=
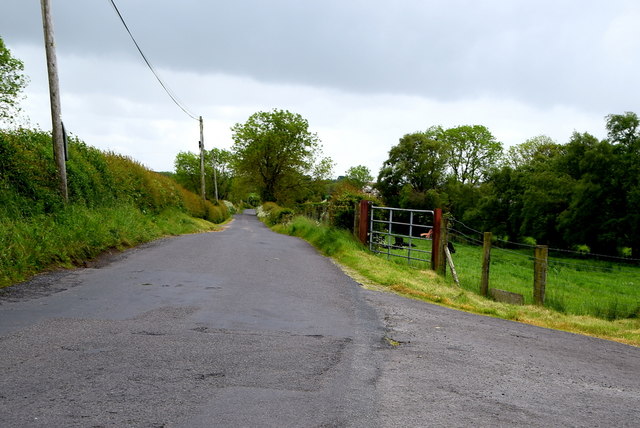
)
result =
(578, 282)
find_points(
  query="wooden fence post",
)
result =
(486, 262)
(452, 267)
(363, 226)
(541, 256)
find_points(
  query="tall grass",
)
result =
(114, 202)
(575, 286)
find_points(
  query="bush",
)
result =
(272, 214)
(113, 201)
(343, 203)
(29, 183)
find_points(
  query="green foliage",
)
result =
(276, 153)
(12, 82)
(585, 192)
(27, 174)
(439, 168)
(329, 240)
(624, 129)
(217, 170)
(473, 153)
(359, 176)
(272, 214)
(253, 199)
(419, 161)
(76, 233)
(343, 205)
(28, 183)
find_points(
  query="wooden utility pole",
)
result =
(486, 263)
(54, 95)
(202, 161)
(215, 175)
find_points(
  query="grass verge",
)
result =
(377, 273)
(574, 286)
(77, 233)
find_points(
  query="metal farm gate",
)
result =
(408, 234)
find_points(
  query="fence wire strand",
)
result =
(561, 250)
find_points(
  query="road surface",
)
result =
(248, 328)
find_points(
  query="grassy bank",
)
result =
(114, 202)
(76, 234)
(574, 286)
(378, 273)
(580, 287)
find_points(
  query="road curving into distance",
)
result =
(246, 328)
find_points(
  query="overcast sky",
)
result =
(363, 73)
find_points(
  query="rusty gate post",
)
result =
(436, 256)
(363, 227)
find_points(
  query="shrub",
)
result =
(342, 205)
(29, 183)
(272, 214)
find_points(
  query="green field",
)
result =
(575, 286)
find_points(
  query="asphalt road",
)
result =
(247, 328)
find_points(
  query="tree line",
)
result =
(584, 194)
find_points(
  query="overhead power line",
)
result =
(166, 88)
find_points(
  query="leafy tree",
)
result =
(417, 164)
(12, 82)
(623, 128)
(473, 153)
(359, 176)
(624, 134)
(187, 172)
(534, 151)
(187, 167)
(278, 154)
(222, 161)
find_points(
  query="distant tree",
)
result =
(624, 134)
(359, 176)
(277, 153)
(12, 82)
(595, 202)
(623, 128)
(187, 172)
(416, 164)
(535, 150)
(473, 153)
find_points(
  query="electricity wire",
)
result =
(166, 88)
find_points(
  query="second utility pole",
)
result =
(202, 161)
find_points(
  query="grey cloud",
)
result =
(541, 51)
